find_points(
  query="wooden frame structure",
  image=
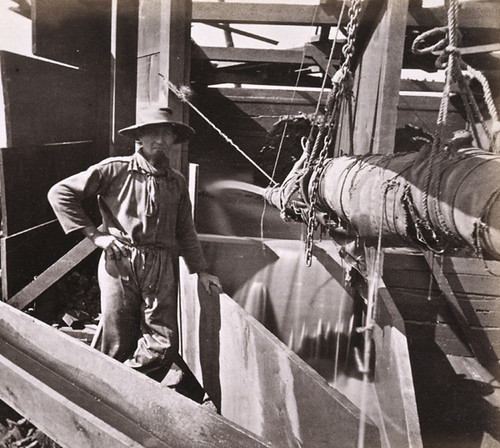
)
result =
(108, 82)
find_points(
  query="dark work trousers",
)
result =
(139, 309)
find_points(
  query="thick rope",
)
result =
(453, 73)
(184, 98)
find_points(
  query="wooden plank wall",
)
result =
(429, 321)
(32, 240)
(56, 122)
(44, 102)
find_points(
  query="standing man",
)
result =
(146, 225)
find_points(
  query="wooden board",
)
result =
(28, 254)
(127, 401)
(124, 75)
(68, 423)
(164, 48)
(377, 80)
(52, 274)
(430, 317)
(44, 102)
(259, 383)
(479, 14)
(393, 375)
(26, 175)
(282, 14)
(69, 30)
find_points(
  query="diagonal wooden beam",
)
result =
(230, 29)
(83, 398)
(52, 274)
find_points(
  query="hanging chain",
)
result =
(342, 86)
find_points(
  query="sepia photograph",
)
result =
(249, 223)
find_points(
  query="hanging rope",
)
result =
(183, 95)
(374, 261)
(450, 60)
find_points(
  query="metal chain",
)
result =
(342, 87)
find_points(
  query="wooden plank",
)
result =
(480, 349)
(419, 306)
(471, 266)
(268, 13)
(52, 274)
(377, 82)
(244, 366)
(69, 30)
(267, 96)
(475, 284)
(472, 14)
(27, 255)
(124, 74)
(397, 278)
(164, 39)
(427, 337)
(166, 416)
(235, 54)
(432, 337)
(481, 311)
(26, 175)
(36, 110)
(393, 375)
(67, 423)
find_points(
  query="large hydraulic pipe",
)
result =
(389, 194)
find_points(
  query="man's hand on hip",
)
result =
(110, 244)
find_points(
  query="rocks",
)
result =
(21, 433)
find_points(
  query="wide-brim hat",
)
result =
(158, 117)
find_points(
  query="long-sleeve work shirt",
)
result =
(140, 205)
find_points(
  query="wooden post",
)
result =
(377, 81)
(164, 47)
(125, 17)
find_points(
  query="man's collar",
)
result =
(140, 163)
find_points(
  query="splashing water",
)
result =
(234, 185)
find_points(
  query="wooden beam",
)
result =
(377, 81)
(124, 74)
(65, 421)
(480, 349)
(393, 375)
(230, 29)
(127, 401)
(164, 45)
(51, 275)
(232, 54)
(265, 13)
(472, 14)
